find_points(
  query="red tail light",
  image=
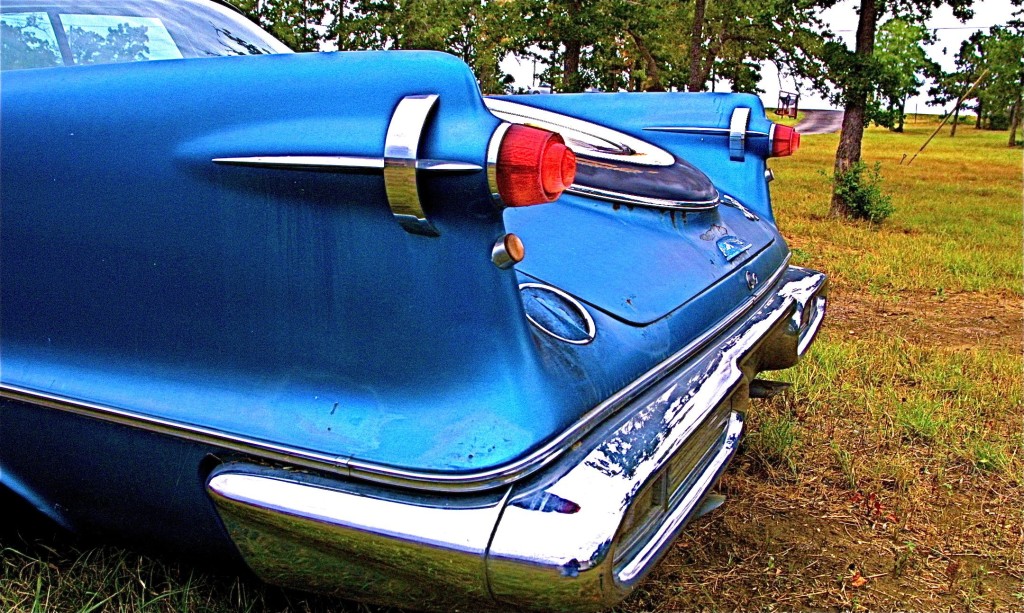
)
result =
(534, 166)
(785, 141)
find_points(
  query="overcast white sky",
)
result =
(843, 18)
(948, 29)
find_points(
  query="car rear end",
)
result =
(658, 308)
(369, 333)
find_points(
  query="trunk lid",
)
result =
(645, 223)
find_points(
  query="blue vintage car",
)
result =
(340, 318)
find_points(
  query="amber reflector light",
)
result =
(785, 142)
(515, 248)
(534, 166)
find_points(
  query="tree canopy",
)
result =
(632, 45)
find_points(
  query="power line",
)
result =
(944, 28)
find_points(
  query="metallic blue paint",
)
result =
(287, 309)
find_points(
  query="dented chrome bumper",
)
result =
(577, 535)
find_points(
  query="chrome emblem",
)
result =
(751, 280)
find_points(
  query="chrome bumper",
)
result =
(576, 536)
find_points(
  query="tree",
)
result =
(736, 36)
(1004, 87)
(902, 62)
(855, 73)
(474, 30)
(296, 23)
(952, 86)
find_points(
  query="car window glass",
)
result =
(43, 33)
(109, 39)
(28, 41)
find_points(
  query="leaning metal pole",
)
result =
(958, 103)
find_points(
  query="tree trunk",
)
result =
(856, 95)
(571, 67)
(697, 74)
(903, 114)
(571, 81)
(956, 119)
(977, 120)
(1015, 113)
(652, 83)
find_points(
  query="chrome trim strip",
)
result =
(670, 525)
(423, 480)
(198, 434)
(738, 133)
(632, 200)
(591, 326)
(701, 130)
(429, 165)
(493, 147)
(728, 200)
(583, 137)
(307, 162)
(341, 163)
(401, 149)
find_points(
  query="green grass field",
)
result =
(890, 476)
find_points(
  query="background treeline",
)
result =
(635, 45)
(655, 45)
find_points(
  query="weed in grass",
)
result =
(904, 557)
(845, 460)
(988, 456)
(775, 441)
(920, 418)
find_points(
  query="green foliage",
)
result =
(920, 418)
(296, 23)
(1000, 52)
(575, 44)
(901, 64)
(862, 191)
(988, 456)
(1003, 56)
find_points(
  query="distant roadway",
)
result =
(820, 122)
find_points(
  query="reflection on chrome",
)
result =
(583, 137)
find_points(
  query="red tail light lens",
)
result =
(533, 167)
(785, 141)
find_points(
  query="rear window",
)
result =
(42, 34)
